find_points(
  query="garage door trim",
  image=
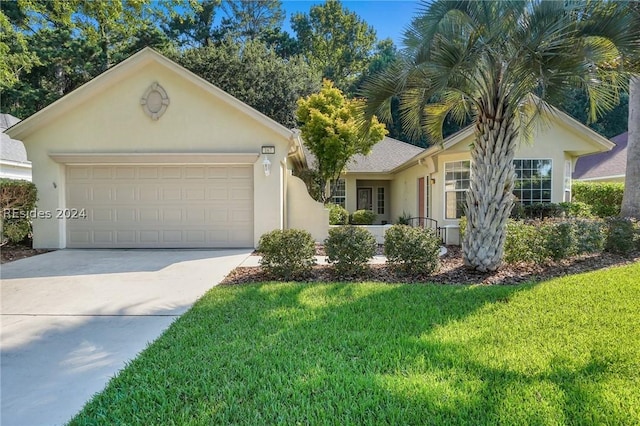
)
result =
(153, 158)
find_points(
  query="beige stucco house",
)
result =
(398, 179)
(150, 155)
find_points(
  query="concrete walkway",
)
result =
(72, 318)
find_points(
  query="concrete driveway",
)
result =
(72, 318)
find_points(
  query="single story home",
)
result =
(607, 166)
(150, 155)
(398, 179)
(13, 156)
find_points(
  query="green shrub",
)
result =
(576, 209)
(363, 217)
(542, 210)
(622, 235)
(287, 254)
(559, 239)
(524, 243)
(604, 198)
(412, 250)
(589, 236)
(17, 200)
(403, 219)
(338, 215)
(349, 248)
(463, 228)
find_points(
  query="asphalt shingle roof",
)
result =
(10, 149)
(385, 156)
(605, 164)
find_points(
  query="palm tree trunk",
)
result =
(490, 198)
(631, 198)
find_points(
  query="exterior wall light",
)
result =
(267, 166)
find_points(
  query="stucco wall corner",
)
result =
(303, 212)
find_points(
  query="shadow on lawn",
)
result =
(344, 354)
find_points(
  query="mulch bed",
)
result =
(11, 252)
(453, 271)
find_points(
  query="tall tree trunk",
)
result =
(631, 198)
(490, 198)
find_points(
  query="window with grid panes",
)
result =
(456, 182)
(533, 181)
(340, 194)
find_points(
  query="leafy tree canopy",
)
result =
(332, 130)
(256, 75)
(335, 41)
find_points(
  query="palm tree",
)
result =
(501, 63)
(631, 198)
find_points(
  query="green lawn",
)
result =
(565, 351)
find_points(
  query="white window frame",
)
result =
(379, 198)
(550, 160)
(341, 182)
(444, 187)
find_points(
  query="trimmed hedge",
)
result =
(287, 254)
(349, 248)
(605, 198)
(539, 241)
(363, 217)
(17, 201)
(623, 235)
(412, 250)
(338, 215)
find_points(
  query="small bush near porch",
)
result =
(565, 351)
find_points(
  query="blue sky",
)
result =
(388, 17)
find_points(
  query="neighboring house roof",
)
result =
(611, 164)
(6, 121)
(385, 156)
(11, 149)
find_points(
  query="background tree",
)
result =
(256, 75)
(250, 20)
(71, 42)
(17, 58)
(332, 131)
(609, 124)
(191, 24)
(335, 41)
(485, 60)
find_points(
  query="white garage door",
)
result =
(160, 206)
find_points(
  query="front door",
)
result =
(365, 199)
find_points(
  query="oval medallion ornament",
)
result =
(155, 101)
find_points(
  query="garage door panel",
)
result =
(161, 206)
(148, 173)
(102, 195)
(100, 172)
(105, 237)
(171, 172)
(101, 215)
(126, 237)
(124, 172)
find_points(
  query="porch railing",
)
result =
(427, 222)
